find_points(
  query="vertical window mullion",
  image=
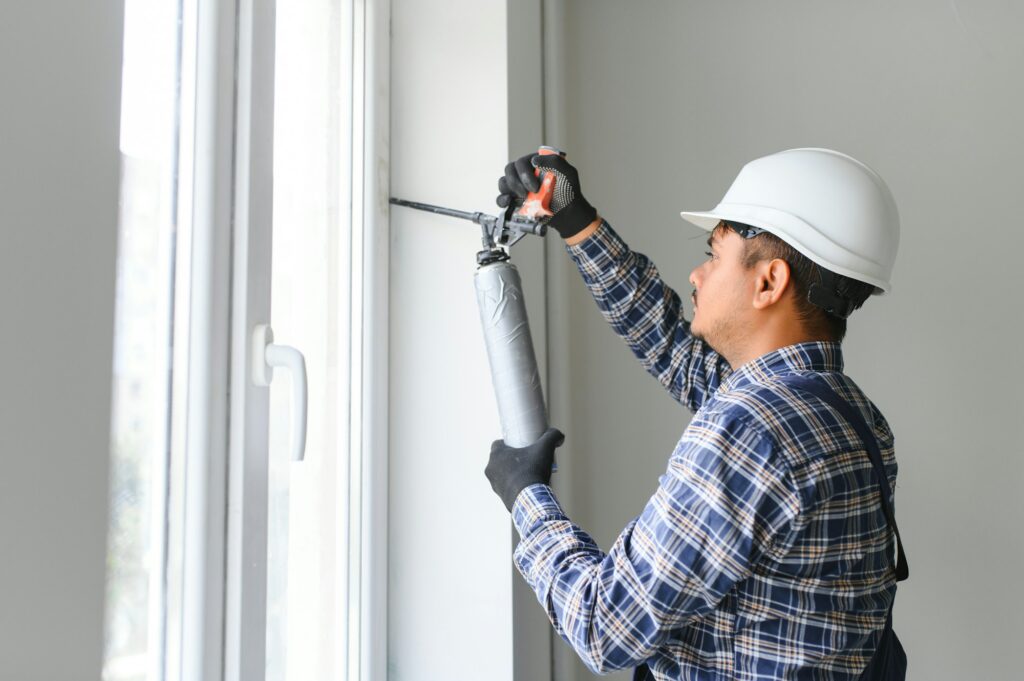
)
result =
(252, 201)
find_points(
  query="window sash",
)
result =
(217, 561)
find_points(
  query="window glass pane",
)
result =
(135, 554)
(308, 501)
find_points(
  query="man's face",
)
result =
(723, 290)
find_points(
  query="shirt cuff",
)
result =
(596, 255)
(533, 506)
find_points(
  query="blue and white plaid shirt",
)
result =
(763, 553)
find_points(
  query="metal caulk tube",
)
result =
(514, 374)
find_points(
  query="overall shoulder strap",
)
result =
(825, 392)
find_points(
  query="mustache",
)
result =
(693, 296)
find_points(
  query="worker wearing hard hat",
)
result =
(766, 551)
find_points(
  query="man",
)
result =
(765, 552)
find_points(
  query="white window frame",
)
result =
(218, 528)
(373, 100)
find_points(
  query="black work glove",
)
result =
(512, 469)
(571, 211)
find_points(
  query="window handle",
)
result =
(265, 356)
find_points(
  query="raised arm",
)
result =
(632, 296)
(647, 314)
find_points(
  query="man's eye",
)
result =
(709, 254)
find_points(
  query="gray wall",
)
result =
(452, 607)
(665, 101)
(60, 81)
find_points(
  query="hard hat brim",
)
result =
(708, 220)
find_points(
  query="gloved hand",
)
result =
(511, 469)
(571, 211)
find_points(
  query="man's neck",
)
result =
(769, 344)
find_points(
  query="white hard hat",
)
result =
(829, 206)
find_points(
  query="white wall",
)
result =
(59, 174)
(451, 600)
(664, 103)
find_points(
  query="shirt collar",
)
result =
(822, 356)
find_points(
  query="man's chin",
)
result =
(697, 331)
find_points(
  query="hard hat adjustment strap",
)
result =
(824, 296)
(744, 230)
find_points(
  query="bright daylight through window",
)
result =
(142, 355)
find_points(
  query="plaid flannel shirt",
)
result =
(763, 553)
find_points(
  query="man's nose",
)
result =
(695, 277)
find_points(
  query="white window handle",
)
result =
(265, 356)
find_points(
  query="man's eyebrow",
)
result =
(711, 240)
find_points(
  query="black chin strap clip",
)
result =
(824, 296)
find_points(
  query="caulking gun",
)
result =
(499, 296)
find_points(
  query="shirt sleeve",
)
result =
(724, 500)
(647, 315)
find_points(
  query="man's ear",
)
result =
(771, 282)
